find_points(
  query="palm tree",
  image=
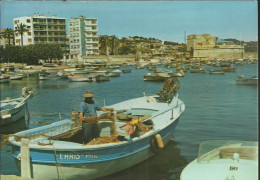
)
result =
(105, 43)
(21, 29)
(9, 34)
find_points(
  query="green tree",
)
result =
(114, 44)
(104, 44)
(9, 34)
(21, 29)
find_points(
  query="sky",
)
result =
(164, 20)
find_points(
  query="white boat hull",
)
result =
(15, 114)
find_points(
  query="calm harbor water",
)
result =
(216, 109)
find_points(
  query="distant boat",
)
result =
(241, 80)
(228, 69)
(217, 72)
(79, 78)
(198, 70)
(114, 73)
(126, 70)
(49, 77)
(102, 77)
(179, 73)
(4, 79)
(156, 77)
(226, 160)
(14, 109)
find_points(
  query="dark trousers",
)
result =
(90, 131)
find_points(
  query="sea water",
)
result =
(216, 109)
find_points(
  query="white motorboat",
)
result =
(227, 160)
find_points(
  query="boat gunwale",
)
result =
(99, 146)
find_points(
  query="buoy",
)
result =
(159, 141)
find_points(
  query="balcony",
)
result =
(53, 29)
(40, 29)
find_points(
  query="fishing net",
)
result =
(113, 138)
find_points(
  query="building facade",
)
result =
(207, 47)
(83, 36)
(42, 29)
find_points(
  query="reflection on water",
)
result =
(167, 164)
(19, 125)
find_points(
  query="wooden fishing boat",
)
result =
(79, 78)
(224, 160)
(241, 80)
(14, 109)
(52, 156)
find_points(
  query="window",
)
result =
(29, 33)
(17, 41)
(29, 40)
(15, 22)
(28, 20)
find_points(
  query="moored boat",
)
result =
(114, 73)
(218, 72)
(53, 156)
(4, 79)
(156, 77)
(14, 109)
(241, 80)
(102, 77)
(237, 160)
(49, 77)
(178, 73)
(228, 69)
(78, 78)
(198, 70)
(126, 70)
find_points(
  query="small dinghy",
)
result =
(14, 109)
(57, 150)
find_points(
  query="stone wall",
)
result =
(219, 53)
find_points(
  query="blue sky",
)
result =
(165, 20)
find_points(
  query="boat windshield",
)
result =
(221, 149)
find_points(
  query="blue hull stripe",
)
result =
(102, 155)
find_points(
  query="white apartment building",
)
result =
(83, 36)
(42, 29)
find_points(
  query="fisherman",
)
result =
(88, 117)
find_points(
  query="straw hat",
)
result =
(88, 94)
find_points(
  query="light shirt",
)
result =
(89, 110)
